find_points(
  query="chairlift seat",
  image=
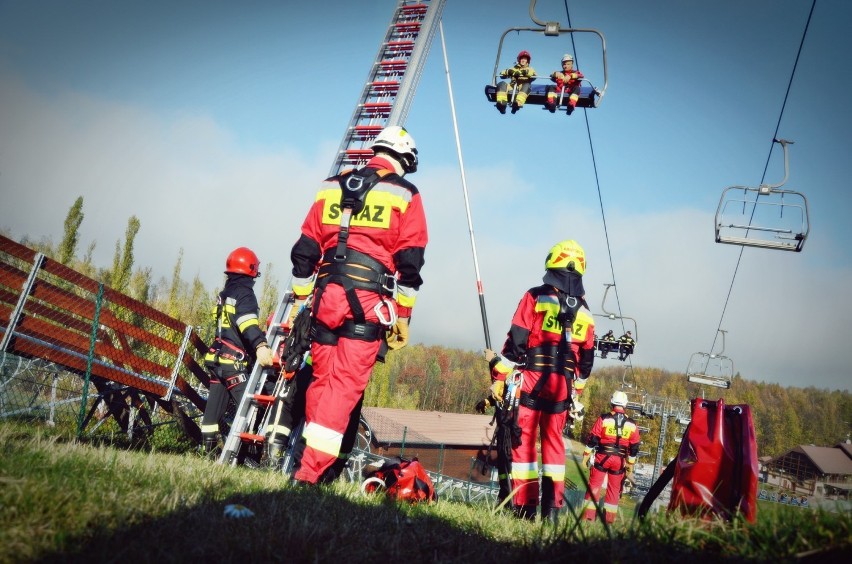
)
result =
(538, 95)
(767, 219)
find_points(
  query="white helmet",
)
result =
(567, 57)
(618, 398)
(397, 141)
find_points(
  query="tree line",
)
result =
(436, 378)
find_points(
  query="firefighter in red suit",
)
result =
(567, 85)
(615, 440)
(551, 340)
(360, 254)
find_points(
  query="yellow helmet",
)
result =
(566, 255)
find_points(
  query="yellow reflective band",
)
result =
(549, 305)
(245, 322)
(212, 428)
(524, 470)
(555, 471)
(581, 326)
(304, 290)
(406, 296)
(503, 368)
(609, 508)
(590, 505)
(323, 439)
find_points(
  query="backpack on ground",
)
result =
(715, 472)
(400, 479)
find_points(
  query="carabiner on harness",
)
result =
(392, 317)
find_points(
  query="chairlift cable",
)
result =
(597, 184)
(765, 168)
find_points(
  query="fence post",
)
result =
(441, 459)
(178, 362)
(92, 340)
(22, 299)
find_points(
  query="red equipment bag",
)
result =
(716, 469)
(401, 479)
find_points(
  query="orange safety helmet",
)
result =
(242, 261)
(523, 54)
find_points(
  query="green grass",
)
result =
(67, 501)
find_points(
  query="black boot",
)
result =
(501, 107)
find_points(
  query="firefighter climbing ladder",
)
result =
(385, 100)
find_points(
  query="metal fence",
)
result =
(88, 359)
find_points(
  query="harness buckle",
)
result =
(392, 317)
(389, 283)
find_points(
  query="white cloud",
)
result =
(193, 186)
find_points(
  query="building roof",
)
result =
(847, 447)
(829, 460)
(391, 426)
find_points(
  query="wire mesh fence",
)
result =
(88, 359)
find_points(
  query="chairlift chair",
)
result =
(765, 217)
(602, 346)
(710, 370)
(590, 96)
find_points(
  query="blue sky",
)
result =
(213, 122)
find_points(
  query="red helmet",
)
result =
(242, 261)
(523, 54)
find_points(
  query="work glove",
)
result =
(497, 389)
(264, 355)
(629, 475)
(294, 311)
(398, 334)
(483, 404)
(578, 411)
(571, 76)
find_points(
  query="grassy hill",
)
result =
(68, 501)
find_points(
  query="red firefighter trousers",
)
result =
(341, 373)
(612, 463)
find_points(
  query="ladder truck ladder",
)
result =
(392, 81)
(385, 100)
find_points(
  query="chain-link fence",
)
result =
(88, 359)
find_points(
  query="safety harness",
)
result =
(616, 449)
(354, 270)
(553, 358)
(222, 351)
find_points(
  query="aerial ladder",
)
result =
(385, 100)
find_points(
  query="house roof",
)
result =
(847, 447)
(829, 460)
(391, 426)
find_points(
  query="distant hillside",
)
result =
(444, 379)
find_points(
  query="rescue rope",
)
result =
(598, 187)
